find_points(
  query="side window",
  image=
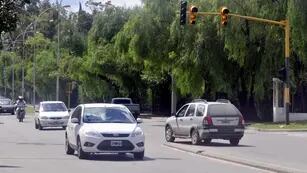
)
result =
(182, 111)
(77, 113)
(200, 110)
(191, 111)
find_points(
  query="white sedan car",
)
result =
(103, 128)
(51, 114)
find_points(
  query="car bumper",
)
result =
(222, 133)
(7, 110)
(103, 145)
(53, 123)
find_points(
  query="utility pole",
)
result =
(58, 55)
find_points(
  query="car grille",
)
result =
(106, 146)
(55, 118)
(115, 135)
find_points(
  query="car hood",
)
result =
(110, 127)
(54, 114)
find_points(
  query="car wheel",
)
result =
(68, 148)
(139, 155)
(195, 137)
(81, 153)
(12, 113)
(169, 134)
(64, 127)
(40, 127)
(207, 141)
(36, 126)
(234, 142)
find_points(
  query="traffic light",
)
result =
(27, 1)
(282, 74)
(224, 16)
(183, 12)
(192, 14)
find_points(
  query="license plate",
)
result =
(116, 143)
(55, 122)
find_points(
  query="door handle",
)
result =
(181, 119)
(191, 118)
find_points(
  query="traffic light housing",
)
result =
(27, 1)
(183, 12)
(193, 14)
(282, 74)
(224, 16)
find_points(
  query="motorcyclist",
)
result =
(20, 103)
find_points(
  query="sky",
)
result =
(75, 3)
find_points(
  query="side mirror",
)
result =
(69, 110)
(173, 114)
(75, 121)
(139, 120)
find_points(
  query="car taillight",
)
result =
(241, 120)
(207, 120)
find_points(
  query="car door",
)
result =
(179, 119)
(73, 128)
(188, 120)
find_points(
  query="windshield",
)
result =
(121, 101)
(54, 107)
(5, 102)
(107, 115)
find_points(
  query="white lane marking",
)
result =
(218, 160)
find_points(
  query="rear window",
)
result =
(223, 110)
(121, 101)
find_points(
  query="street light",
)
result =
(58, 50)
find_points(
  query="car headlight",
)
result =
(92, 134)
(137, 132)
(44, 117)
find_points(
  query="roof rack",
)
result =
(199, 100)
(223, 101)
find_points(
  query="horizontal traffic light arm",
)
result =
(282, 23)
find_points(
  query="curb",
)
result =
(255, 164)
(277, 130)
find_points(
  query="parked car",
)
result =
(103, 128)
(7, 106)
(134, 108)
(204, 121)
(51, 114)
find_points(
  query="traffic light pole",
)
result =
(285, 25)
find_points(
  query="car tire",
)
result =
(12, 113)
(40, 127)
(234, 141)
(207, 141)
(195, 139)
(169, 134)
(81, 153)
(36, 126)
(68, 149)
(64, 127)
(139, 155)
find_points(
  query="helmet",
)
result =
(20, 97)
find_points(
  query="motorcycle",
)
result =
(21, 112)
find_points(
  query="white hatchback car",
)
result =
(104, 128)
(51, 114)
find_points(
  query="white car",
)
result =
(51, 114)
(104, 128)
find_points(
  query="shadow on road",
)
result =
(123, 158)
(213, 144)
(9, 166)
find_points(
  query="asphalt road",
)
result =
(26, 150)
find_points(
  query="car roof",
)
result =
(51, 102)
(103, 105)
(210, 103)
